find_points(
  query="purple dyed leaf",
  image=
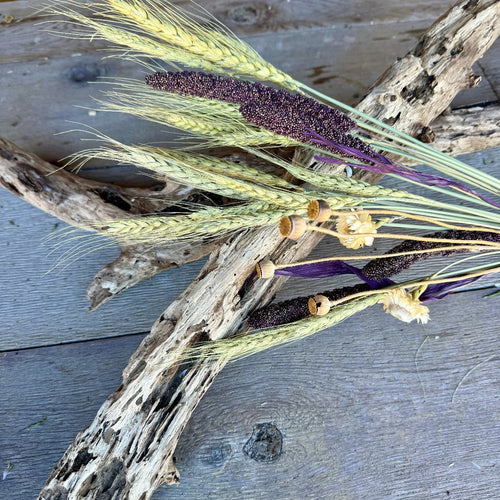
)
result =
(328, 269)
(440, 290)
(382, 165)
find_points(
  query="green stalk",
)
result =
(404, 139)
(428, 160)
(443, 216)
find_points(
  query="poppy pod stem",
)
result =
(405, 237)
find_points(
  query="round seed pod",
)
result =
(319, 305)
(293, 226)
(319, 211)
(265, 269)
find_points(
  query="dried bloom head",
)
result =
(404, 307)
(353, 228)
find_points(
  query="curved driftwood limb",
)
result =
(76, 200)
(137, 263)
(127, 451)
(72, 198)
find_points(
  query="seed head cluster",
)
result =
(282, 112)
(381, 268)
(377, 269)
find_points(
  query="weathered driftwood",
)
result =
(69, 197)
(467, 130)
(462, 131)
(127, 450)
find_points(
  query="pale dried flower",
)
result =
(404, 307)
(353, 228)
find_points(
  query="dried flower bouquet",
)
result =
(230, 96)
(233, 102)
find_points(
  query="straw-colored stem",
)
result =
(418, 282)
(454, 248)
(419, 218)
(402, 237)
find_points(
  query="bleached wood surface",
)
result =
(363, 411)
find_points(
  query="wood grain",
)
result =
(358, 408)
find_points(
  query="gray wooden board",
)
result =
(40, 307)
(372, 408)
(341, 60)
(365, 409)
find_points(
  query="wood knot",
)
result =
(83, 73)
(426, 135)
(244, 14)
(265, 443)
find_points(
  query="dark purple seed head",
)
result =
(284, 113)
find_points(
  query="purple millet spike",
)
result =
(287, 114)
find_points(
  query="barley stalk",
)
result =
(141, 45)
(192, 170)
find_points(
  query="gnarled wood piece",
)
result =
(72, 198)
(467, 130)
(127, 450)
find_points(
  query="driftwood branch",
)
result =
(467, 130)
(127, 451)
(70, 197)
(64, 195)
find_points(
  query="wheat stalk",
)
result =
(238, 347)
(222, 123)
(218, 46)
(204, 223)
(230, 169)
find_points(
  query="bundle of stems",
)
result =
(239, 99)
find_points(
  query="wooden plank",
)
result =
(371, 409)
(51, 394)
(39, 308)
(278, 15)
(365, 411)
(340, 59)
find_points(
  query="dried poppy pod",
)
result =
(265, 269)
(319, 211)
(319, 305)
(293, 226)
